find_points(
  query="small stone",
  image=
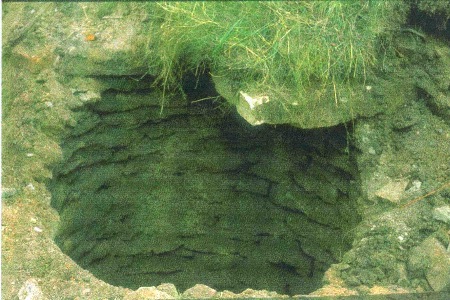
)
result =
(30, 154)
(416, 185)
(86, 291)
(90, 96)
(168, 288)
(442, 214)
(199, 291)
(254, 101)
(372, 151)
(147, 293)
(49, 104)
(30, 290)
(432, 259)
(393, 191)
(30, 186)
(438, 273)
(250, 293)
(37, 229)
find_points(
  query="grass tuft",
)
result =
(280, 47)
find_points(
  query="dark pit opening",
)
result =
(192, 195)
(436, 23)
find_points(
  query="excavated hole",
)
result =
(436, 24)
(192, 195)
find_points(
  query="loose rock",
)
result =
(148, 293)
(30, 290)
(200, 291)
(250, 293)
(168, 288)
(393, 191)
(431, 258)
(442, 214)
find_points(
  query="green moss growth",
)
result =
(283, 48)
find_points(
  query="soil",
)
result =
(402, 156)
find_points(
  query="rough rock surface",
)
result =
(200, 291)
(431, 258)
(30, 291)
(254, 206)
(442, 214)
(148, 293)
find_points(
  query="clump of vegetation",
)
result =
(283, 48)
